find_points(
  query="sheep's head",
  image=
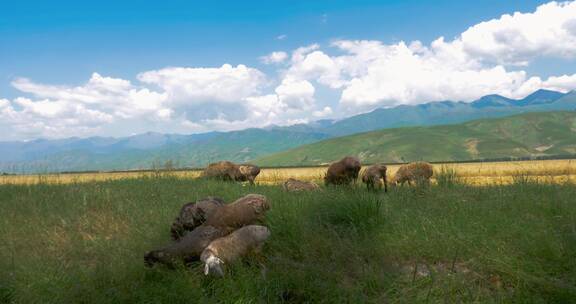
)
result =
(213, 266)
(259, 202)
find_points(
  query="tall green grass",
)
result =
(84, 243)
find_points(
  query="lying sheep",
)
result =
(294, 185)
(248, 173)
(418, 172)
(228, 249)
(244, 211)
(193, 215)
(343, 172)
(187, 249)
(373, 175)
(223, 170)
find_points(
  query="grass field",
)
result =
(83, 242)
(478, 173)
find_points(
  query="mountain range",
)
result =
(195, 150)
(527, 135)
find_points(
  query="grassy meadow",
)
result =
(84, 241)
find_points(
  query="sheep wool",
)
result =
(228, 249)
(244, 211)
(193, 215)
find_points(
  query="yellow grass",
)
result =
(549, 171)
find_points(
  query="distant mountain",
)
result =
(146, 150)
(445, 112)
(524, 135)
(152, 149)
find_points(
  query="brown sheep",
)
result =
(418, 172)
(372, 176)
(244, 211)
(193, 215)
(249, 172)
(187, 249)
(223, 170)
(343, 172)
(228, 249)
(294, 185)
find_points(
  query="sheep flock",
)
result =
(219, 233)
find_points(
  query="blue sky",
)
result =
(46, 46)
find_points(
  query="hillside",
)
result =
(530, 134)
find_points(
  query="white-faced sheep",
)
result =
(230, 248)
(374, 176)
(187, 249)
(417, 172)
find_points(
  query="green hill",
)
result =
(530, 134)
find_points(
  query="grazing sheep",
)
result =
(228, 249)
(193, 215)
(373, 175)
(343, 172)
(187, 249)
(223, 170)
(244, 211)
(294, 185)
(249, 173)
(418, 172)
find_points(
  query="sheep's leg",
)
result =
(385, 184)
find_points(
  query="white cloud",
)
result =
(482, 60)
(521, 37)
(202, 85)
(281, 37)
(296, 94)
(486, 58)
(327, 111)
(274, 57)
(562, 84)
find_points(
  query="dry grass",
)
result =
(546, 171)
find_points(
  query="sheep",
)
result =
(248, 172)
(228, 249)
(294, 185)
(244, 211)
(418, 172)
(343, 172)
(193, 215)
(372, 176)
(187, 249)
(223, 170)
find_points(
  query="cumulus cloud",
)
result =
(520, 37)
(295, 94)
(183, 99)
(323, 113)
(225, 84)
(482, 60)
(274, 57)
(486, 58)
